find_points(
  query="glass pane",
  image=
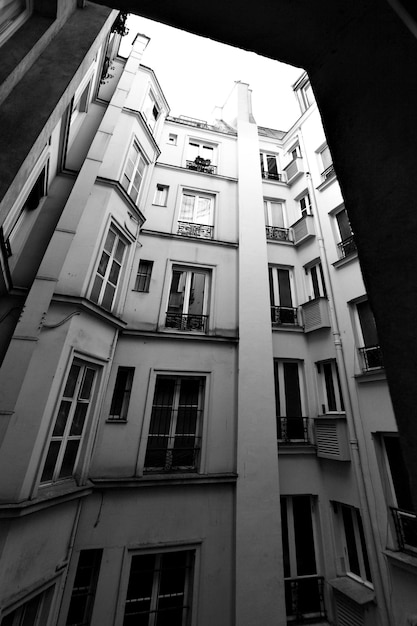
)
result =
(68, 461)
(51, 457)
(120, 248)
(292, 390)
(108, 296)
(31, 611)
(196, 298)
(134, 192)
(326, 157)
(114, 272)
(111, 236)
(187, 208)
(285, 543)
(204, 213)
(367, 322)
(104, 261)
(284, 288)
(344, 225)
(72, 380)
(61, 419)
(95, 292)
(193, 150)
(277, 214)
(79, 418)
(303, 535)
(351, 541)
(177, 292)
(272, 164)
(87, 384)
(399, 473)
(330, 390)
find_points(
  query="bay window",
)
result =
(134, 171)
(109, 270)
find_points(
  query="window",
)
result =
(201, 157)
(316, 287)
(289, 401)
(275, 221)
(351, 542)
(188, 300)
(172, 139)
(121, 394)
(176, 421)
(74, 407)
(12, 15)
(109, 270)
(295, 152)
(151, 110)
(80, 103)
(34, 612)
(134, 171)
(84, 589)
(143, 278)
(305, 205)
(196, 215)
(326, 162)
(159, 589)
(269, 166)
(369, 349)
(330, 392)
(303, 588)
(305, 94)
(282, 309)
(347, 244)
(161, 195)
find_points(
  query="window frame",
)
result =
(16, 22)
(267, 172)
(281, 401)
(271, 215)
(315, 282)
(161, 195)
(206, 304)
(139, 159)
(121, 394)
(89, 591)
(202, 144)
(147, 276)
(172, 139)
(44, 613)
(151, 103)
(119, 237)
(323, 391)
(345, 548)
(361, 344)
(277, 294)
(305, 199)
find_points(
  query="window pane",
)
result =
(284, 287)
(177, 293)
(61, 419)
(292, 390)
(330, 391)
(303, 535)
(108, 296)
(277, 215)
(315, 282)
(104, 261)
(344, 225)
(367, 322)
(95, 292)
(285, 542)
(111, 236)
(114, 272)
(399, 473)
(187, 208)
(196, 298)
(79, 418)
(71, 380)
(204, 211)
(272, 164)
(87, 384)
(31, 612)
(51, 457)
(326, 157)
(68, 461)
(351, 541)
(120, 248)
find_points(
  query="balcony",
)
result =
(272, 176)
(292, 429)
(406, 530)
(316, 314)
(276, 233)
(328, 173)
(200, 231)
(347, 247)
(294, 170)
(304, 599)
(165, 453)
(201, 165)
(303, 229)
(187, 323)
(284, 315)
(371, 358)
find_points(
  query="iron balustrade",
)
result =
(293, 429)
(167, 453)
(406, 529)
(189, 229)
(284, 315)
(328, 172)
(276, 233)
(371, 357)
(203, 166)
(272, 175)
(304, 599)
(188, 322)
(347, 247)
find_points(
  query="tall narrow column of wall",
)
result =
(259, 577)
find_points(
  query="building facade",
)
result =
(196, 426)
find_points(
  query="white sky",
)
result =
(196, 74)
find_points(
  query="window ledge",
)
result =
(358, 592)
(326, 183)
(151, 480)
(201, 240)
(47, 496)
(281, 242)
(296, 448)
(346, 260)
(181, 335)
(335, 415)
(292, 328)
(115, 421)
(402, 560)
(370, 377)
(180, 167)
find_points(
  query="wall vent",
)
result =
(303, 229)
(316, 314)
(348, 612)
(332, 437)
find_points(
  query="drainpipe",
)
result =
(353, 420)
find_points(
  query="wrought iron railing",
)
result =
(347, 247)
(293, 429)
(189, 229)
(272, 175)
(276, 233)
(186, 322)
(371, 357)
(204, 166)
(406, 529)
(304, 599)
(328, 172)
(172, 453)
(283, 315)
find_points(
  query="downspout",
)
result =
(353, 421)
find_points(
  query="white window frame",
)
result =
(322, 389)
(342, 543)
(271, 214)
(66, 436)
(161, 195)
(119, 237)
(189, 270)
(304, 204)
(126, 392)
(44, 613)
(15, 22)
(202, 145)
(147, 276)
(266, 174)
(310, 283)
(197, 195)
(128, 180)
(301, 379)
(151, 103)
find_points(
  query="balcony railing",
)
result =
(293, 429)
(189, 229)
(347, 247)
(276, 233)
(328, 173)
(169, 454)
(371, 358)
(272, 176)
(304, 599)
(188, 322)
(203, 166)
(406, 530)
(283, 315)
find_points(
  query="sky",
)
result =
(197, 74)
